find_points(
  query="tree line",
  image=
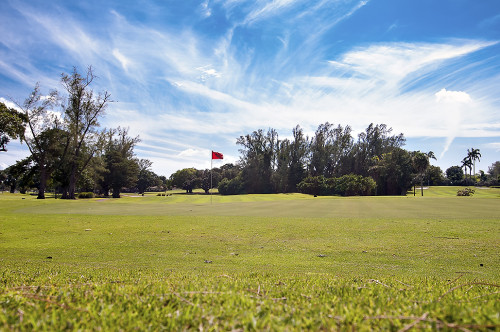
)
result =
(331, 162)
(68, 149)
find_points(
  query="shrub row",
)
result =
(86, 195)
(346, 185)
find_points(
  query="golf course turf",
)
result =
(251, 262)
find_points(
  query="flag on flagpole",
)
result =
(217, 155)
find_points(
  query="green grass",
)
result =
(272, 262)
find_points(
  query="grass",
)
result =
(252, 262)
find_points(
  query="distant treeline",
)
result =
(332, 162)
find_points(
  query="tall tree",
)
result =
(258, 159)
(20, 175)
(297, 160)
(121, 165)
(467, 164)
(494, 171)
(12, 125)
(146, 178)
(421, 163)
(81, 115)
(474, 154)
(393, 172)
(455, 175)
(186, 179)
(328, 150)
(375, 141)
(41, 125)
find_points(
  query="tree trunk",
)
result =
(422, 186)
(43, 182)
(72, 182)
(116, 192)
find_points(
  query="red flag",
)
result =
(217, 155)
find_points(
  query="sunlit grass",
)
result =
(256, 262)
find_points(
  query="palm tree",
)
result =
(467, 163)
(474, 155)
(421, 163)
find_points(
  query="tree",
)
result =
(375, 141)
(393, 172)
(81, 116)
(474, 154)
(434, 176)
(120, 162)
(455, 175)
(258, 160)
(467, 164)
(328, 150)
(20, 175)
(297, 159)
(186, 179)
(146, 178)
(421, 163)
(494, 171)
(12, 125)
(42, 125)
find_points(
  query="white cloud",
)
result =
(445, 96)
(205, 8)
(8, 103)
(124, 61)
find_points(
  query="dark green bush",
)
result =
(86, 195)
(346, 185)
(231, 187)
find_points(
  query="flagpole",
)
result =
(211, 163)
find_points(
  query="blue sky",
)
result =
(191, 76)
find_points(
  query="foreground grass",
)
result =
(259, 262)
(58, 298)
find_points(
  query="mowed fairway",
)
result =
(251, 262)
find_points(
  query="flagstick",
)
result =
(210, 190)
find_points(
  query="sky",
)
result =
(191, 76)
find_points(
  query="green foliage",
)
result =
(147, 178)
(86, 195)
(271, 165)
(121, 166)
(186, 179)
(346, 185)
(82, 112)
(314, 185)
(455, 175)
(12, 125)
(393, 172)
(231, 187)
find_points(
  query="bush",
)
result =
(465, 192)
(346, 185)
(86, 195)
(231, 187)
(356, 185)
(314, 185)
